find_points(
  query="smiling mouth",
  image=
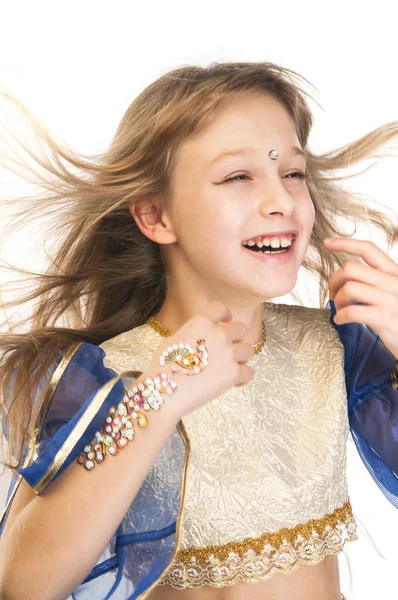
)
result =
(269, 249)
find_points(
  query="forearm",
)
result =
(59, 536)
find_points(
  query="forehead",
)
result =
(255, 119)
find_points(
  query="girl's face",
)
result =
(212, 217)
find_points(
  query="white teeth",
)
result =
(274, 242)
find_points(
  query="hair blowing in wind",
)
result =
(105, 276)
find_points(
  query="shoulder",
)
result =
(293, 317)
(131, 349)
(298, 310)
(303, 331)
(79, 372)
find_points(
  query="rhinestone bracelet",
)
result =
(118, 428)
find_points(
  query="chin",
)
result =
(277, 290)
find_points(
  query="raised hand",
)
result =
(374, 284)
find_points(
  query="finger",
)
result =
(381, 321)
(365, 274)
(235, 331)
(243, 352)
(246, 374)
(365, 249)
(372, 316)
(367, 294)
(217, 311)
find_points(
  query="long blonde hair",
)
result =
(106, 276)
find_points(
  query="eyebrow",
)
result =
(247, 151)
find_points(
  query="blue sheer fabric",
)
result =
(372, 402)
(80, 382)
(144, 543)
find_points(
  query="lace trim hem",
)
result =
(255, 559)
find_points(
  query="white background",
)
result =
(78, 65)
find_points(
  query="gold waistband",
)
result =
(256, 559)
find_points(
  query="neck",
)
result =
(188, 293)
(176, 311)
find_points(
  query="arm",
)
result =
(372, 402)
(92, 503)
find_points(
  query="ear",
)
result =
(154, 222)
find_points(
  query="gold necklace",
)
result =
(164, 332)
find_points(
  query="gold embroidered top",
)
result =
(265, 485)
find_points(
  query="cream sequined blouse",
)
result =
(266, 481)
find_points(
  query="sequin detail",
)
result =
(256, 559)
(183, 358)
(118, 428)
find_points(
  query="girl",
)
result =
(210, 465)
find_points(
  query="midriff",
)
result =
(309, 582)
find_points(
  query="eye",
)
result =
(236, 178)
(296, 174)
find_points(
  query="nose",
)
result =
(276, 199)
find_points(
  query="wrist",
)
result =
(143, 393)
(171, 402)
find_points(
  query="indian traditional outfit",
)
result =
(252, 483)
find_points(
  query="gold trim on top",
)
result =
(164, 332)
(184, 436)
(276, 539)
(256, 559)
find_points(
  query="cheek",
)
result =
(210, 241)
(308, 212)
(306, 217)
(197, 229)
(212, 220)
